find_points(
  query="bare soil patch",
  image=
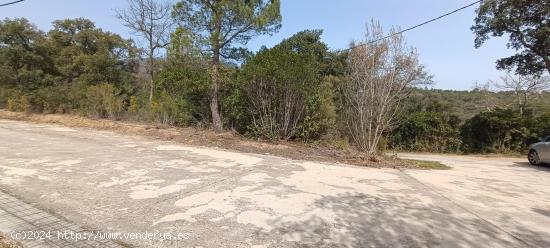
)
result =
(226, 140)
(8, 243)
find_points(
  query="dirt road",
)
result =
(104, 181)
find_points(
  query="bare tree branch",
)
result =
(151, 21)
(523, 87)
(381, 77)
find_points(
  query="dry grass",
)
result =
(8, 243)
(426, 165)
(226, 140)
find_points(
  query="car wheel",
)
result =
(533, 157)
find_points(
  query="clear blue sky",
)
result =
(445, 47)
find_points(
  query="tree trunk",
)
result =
(151, 92)
(151, 72)
(215, 41)
(520, 104)
(216, 119)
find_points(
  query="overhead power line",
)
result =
(10, 3)
(416, 26)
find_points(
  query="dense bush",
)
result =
(169, 110)
(540, 126)
(285, 91)
(185, 84)
(103, 101)
(481, 125)
(17, 101)
(427, 132)
(500, 130)
(320, 118)
(53, 100)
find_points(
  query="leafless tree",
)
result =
(488, 101)
(280, 109)
(381, 76)
(483, 87)
(522, 87)
(151, 21)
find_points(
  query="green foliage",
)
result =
(236, 107)
(24, 55)
(184, 84)
(526, 24)
(134, 106)
(540, 126)
(52, 99)
(500, 130)
(219, 26)
(169, 110)
(185, 79)
(183, 45)
(466, 104)
(17, 101)
(320, 117)
(89, 55)
(471, 120)
(427, 132)
(215, 24)
(102, 101)
(284, 90)
(57, 72)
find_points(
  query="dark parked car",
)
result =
(540, 152)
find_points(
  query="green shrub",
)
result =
(17, 101)
(236, 109)
(284, 91)
(541, 125)
(169, 110)
(4, 95)
(500, 130)
(134, 107)
(320, 116)
(427, 132)
(52, 100)
(340, 143)
(102, 101)
(187, 83)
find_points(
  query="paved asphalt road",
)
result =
(104, 181)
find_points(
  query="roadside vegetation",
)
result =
(477, 121)
(426, 165)
(194, 72)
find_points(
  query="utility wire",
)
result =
(416, 26)
(10, 3)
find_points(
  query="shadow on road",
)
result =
(363, 220)
(541, 167)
